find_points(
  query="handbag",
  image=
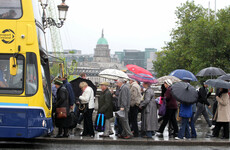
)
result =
(162, 109)
(83, 108)
(61, 112)
(100, 123)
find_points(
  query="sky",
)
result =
(127, 24)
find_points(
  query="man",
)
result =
(202, 101)
(124, 105)
(83, 75)
(70, 91)
(135, 94)
(8, 15)
(105, 107)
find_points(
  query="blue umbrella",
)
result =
(183, 75)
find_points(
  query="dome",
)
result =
(102, 41)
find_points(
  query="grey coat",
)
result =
(149, 112)
(124, 98)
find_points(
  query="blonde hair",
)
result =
(83, 84)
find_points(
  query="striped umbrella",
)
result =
(143, 78)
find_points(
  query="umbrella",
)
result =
(184, 92)
(210, 71)
(224, 77)
(143, 78)
(218, 83)
(137, 70)
(77, 90)
(183, 75)
(113, 74)
(172, 78)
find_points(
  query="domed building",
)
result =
(102, 51)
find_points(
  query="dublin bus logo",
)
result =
(7, 36)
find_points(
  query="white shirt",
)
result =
(88, 97)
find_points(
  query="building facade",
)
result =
(102, 51)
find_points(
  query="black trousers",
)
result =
(218, 126)
(170, 115)
(133, 112)
(88, 123)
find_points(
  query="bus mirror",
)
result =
(13, 66)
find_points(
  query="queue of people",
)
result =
(131, 101)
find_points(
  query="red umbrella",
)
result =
(137, 70)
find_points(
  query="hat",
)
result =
(58, 81)
(104, 83)
(168, 81)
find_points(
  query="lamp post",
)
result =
(62, 11)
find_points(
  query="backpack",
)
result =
(100, 123)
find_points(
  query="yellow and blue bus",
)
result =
(25, 89)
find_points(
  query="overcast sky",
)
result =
(127, 24)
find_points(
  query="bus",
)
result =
(25, 86)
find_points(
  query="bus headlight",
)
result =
(44, 124)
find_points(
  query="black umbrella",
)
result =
(77, 90)
(184, 92)
(210, 71)
(224, 77)
(218, 83)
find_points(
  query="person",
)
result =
(148, 106)
(202, 101)
(222, 115)
(54, 97)
(83, 75)
(62, 101)
(185, 113)
(171, 109)
(124, 105)
(191, 123)
(135, 98)
(2, 81)
(105, 107)
(70, 91)
(87, 98)
(8, 15)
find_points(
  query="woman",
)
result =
(149, 112)
(222, 115)
(87, 98)
(62, 101)
(171, 109)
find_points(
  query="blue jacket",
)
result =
(185, 111)
(70, 91)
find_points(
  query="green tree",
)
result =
(198, 41)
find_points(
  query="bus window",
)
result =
(10, 9)
(31, 74)
(45, 87)
(11, 84)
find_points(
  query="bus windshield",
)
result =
(10, 9)
(11, 84)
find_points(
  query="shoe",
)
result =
(103, 135)
(111, 133)
(212, 127)
(58, 136)
(159, 134)
(148, 137)
(65, 135)
(92, 136)
(82, 134)
(225, 138)
(119, 136)
(127, 137)
(177, 138)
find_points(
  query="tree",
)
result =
(198, 41)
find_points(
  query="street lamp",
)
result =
(62, 9)
(44, 3)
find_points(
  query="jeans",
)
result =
(170, 115)
(133, 119)
(192, 125)
(184, 129)
(202, 110)
(88, 123)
